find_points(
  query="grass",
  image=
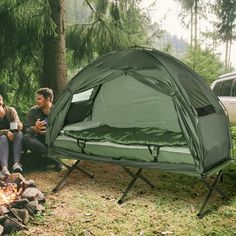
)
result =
(88, 207)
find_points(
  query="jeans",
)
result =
(4, 148)
(36, 144)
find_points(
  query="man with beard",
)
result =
(36, 124)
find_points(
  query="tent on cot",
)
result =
(141, 108)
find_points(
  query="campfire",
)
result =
(9, 193)
(19, 201)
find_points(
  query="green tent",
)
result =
(141, 107)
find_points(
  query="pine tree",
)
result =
(54, 51)
(111, 25)
(226, 13)
(27, 28)
(23, 24)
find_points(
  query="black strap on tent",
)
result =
(137, 175)
(211, 187)
(81, 144)
(155, 152)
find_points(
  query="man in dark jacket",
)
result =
(36, 124)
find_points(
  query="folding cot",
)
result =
(141, 108)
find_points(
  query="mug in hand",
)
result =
(13, 125)
(45, 121)
(44, 127)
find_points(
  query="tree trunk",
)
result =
(229, 53)
(195, 23)
(54, 65)
(195, 32)
(226, 53)
(191, 26)
(75, 11)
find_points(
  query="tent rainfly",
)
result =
(143, 108)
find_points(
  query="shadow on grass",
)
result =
(33, 163)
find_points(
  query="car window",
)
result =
(225, 88)
(234, 88)
(216, 88)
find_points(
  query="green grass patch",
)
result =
(88, 207)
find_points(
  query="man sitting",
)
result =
(36, 123)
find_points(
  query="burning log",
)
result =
(14, 214)
(8, 194)
(20, 203)
(2, 219)
(18, 179)
(21, 214)
(18, 200)
(11, 225)
(3, 210)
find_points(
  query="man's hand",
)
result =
(10, 136)
(39, 126)
(19, 126)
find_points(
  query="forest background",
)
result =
(46, 42)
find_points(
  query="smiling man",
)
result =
(36, 125)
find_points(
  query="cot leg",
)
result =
(77, 167)
(70, 169)
(212, 188)
(84, 171)
(135, 177)
(140, 175)
(222, 178)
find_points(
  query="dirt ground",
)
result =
(88, 207)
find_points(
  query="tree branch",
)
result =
(99, 18)
(3, 13)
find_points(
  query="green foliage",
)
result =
(111, 26)
(220, 232)
(191, 9)
(76, 12)
(22, 28)
(23, 25)
(233, 133)
(226, 13)
(225, 27)
(205, 62)
(168, 48)
(105, 26)
(187, 4)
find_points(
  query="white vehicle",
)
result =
(225, 88)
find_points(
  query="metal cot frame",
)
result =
(60, 153)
